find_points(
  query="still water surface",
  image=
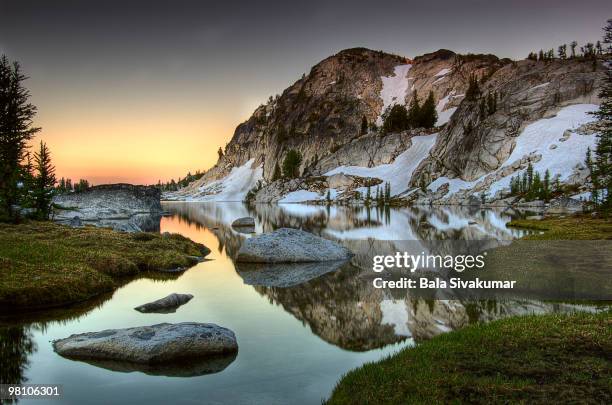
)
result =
(295, 342)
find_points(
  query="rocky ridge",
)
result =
(320, 115)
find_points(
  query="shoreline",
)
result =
(48, 265)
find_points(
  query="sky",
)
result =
(141, 91)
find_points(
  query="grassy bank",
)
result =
(46, 264)
(578, 227)
(535, 359)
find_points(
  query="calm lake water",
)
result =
(295, 340)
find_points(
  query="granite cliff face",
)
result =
(321, 114)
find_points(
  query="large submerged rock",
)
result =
(165, 305)
(164, 342)
(287, 245)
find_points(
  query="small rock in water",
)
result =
(243, 222)
(164, 342)
(76, 222)
(287, 245)
(165, 305)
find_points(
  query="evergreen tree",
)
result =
(428, 115)
(368, 196)
(44, 181)
(562, 51)
(291, 164)
(220, 152)
(395, 119)
(573, 46)
(536, 187)
(546, 186)
(16, 116)
(414, 111)
(364, 125)
(328, 196)
(529, 176)
(603, 151)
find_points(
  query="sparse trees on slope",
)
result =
(395, 119)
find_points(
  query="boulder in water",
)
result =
(287, 245)
(164, 342)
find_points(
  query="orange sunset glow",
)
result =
(139, 145)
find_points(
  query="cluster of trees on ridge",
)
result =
(397, 117)
(589, 50)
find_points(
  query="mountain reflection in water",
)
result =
(299, 328)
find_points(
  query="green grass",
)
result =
(578, 227)
(45, 264)
(528, 359)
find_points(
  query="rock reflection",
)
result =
(191, 368)
(285, 274)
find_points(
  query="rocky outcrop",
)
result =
(121, 206)
(165, 305)
(154, 344)
(287, 245)
(321, 115)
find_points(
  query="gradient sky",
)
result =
(136, 91)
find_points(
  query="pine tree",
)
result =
(368, 196)
(44, 182)
(603, 150)
(16, 116)
(328, 196)
(427, 114)
(573, 46)
(546, 186)
(395, 119)
(414, 111)
(291, 164)
(536, 187)
(529, 176)
(562, 51)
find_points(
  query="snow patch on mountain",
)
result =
(559, 154)
(397, 173)
(394, 88)
(233, 187)
(444, 115)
